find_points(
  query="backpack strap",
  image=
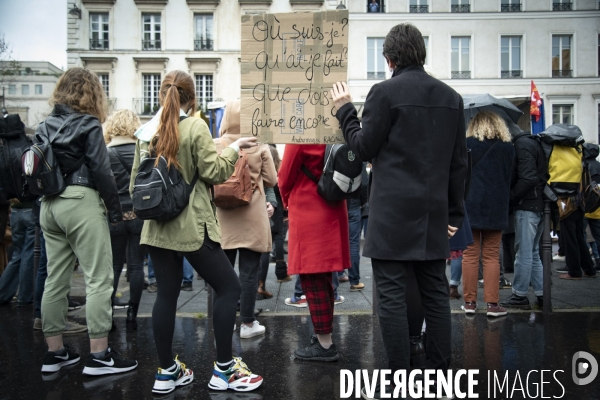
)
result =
(116, 153)
(309, 174)
(44, 132)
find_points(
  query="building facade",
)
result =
(27, 89)
(476, 46)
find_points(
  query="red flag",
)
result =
(536, 102)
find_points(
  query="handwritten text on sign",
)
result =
(289, 64)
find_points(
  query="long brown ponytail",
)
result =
(176, 89)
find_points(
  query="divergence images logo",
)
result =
(580, 368)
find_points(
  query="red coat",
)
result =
(318, 230)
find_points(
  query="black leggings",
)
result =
(213, 266)
(125, 243)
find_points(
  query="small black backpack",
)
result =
(40, 166)
(342, 170)
(13, 141)
(159, 192)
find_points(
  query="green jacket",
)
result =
(196, 151)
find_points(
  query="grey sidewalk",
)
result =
(566, 295)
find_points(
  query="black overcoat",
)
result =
(489, 196)
(413, 130)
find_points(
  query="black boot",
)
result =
(417, 352)
(131, 322)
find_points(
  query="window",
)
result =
(562, 114)
(510, 6)
(104, 81)
(375, 61)
(38, 89)
(151, 32)
(151, 89)
(375, 6)
(562, 5)
(98, 31)
(460, 58)
(24, 89)
(12, 89)
(460, 6)
(418, 6)
(561, 56)
(426, 39)
(204, 26)
(204, 90)
(510, 57)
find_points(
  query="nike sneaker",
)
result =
(238, 377)
(111, 363)
(54, 361)
(167, 380)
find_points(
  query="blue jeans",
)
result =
(188, 271)
(19, 271)
(529, 226)
(334, 279)
(364, 222)
(455, 271)
(151, 276)
(354, 225)
(40, 280)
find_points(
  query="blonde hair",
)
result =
(121, 123)
(488, 125)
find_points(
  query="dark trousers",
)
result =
(318, 289)
(508, 252)
(354, 225)
(391, 278)
(212, 265)
(125, 244)
(577, 255)
(280, 264)
(249, 262)
(40, 279)
(264, 265)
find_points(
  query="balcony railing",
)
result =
(151, 45)
(562, 73)
(98, 44)
(419, 9)
(203, 45)
(461, 8)
(562, 6)
(376, 75)
(511, 74)
(510, 8)
(145, 106)
(461, 75)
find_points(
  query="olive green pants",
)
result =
(75, 227)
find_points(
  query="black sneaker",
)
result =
(74, 305)
(187, 286)
(505, 284)
(119, 304)
(55, 361)
(562, 270)
(515, 301)
(112, 363)
(316, 352)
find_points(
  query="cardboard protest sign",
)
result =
(290, 62)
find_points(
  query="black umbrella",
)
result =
(475, 103)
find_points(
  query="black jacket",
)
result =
(489, 196)
(121, 162)
(83, 138)
(590, 153)
(413, 130)
(530, 174)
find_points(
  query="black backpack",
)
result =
(342, 170)
(13, 141)
(159, 192)
(40, 166)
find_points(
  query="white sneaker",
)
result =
(255, 330)
(558, 258)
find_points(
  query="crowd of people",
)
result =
(421, 207)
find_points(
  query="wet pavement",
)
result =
(521, 342)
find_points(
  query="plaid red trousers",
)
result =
(318, 290)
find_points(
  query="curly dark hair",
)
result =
(80, 89)
(404, 46)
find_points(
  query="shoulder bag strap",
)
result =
(116, 153)
(309, 174)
